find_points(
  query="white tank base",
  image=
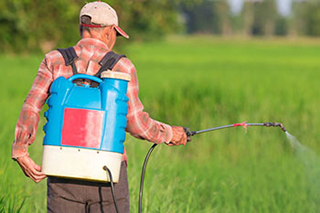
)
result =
(79, 163)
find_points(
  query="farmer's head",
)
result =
(99, 20)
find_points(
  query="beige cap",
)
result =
(102, 15)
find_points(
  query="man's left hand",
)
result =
(31, 169)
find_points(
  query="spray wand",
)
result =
(244, 124)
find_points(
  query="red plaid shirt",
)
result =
(90, 52)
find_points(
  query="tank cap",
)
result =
(117, 75)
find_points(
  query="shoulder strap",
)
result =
(69, 56)
(108, 62)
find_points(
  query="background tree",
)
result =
(34, 24)
(200, 18)
(223, 15)
(248, 18)
(265, 14)
(312, 18)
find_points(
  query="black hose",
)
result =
(143, 174)
(112, 188)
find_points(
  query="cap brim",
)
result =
(121, 32)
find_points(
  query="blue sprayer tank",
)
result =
(85, 127)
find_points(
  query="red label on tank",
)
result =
(82, 128)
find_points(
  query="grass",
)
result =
(200, 82)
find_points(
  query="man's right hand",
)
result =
(31, 169)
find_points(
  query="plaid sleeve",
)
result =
(29, 117)
(139, 124)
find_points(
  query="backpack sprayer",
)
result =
(86, 123)
(192, 133)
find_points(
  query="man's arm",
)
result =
(139, 124)
(28, 121)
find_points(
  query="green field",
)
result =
(201, 82)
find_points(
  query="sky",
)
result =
(284, 6)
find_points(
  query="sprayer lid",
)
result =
(117, 75)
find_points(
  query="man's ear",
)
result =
(107, 32)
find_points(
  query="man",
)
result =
(99, 30)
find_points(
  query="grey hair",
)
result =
(87, 20)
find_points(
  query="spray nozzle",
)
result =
(275, 124)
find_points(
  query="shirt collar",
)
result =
(93, 42)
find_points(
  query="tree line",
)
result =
(257, 18)
(37, 25)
